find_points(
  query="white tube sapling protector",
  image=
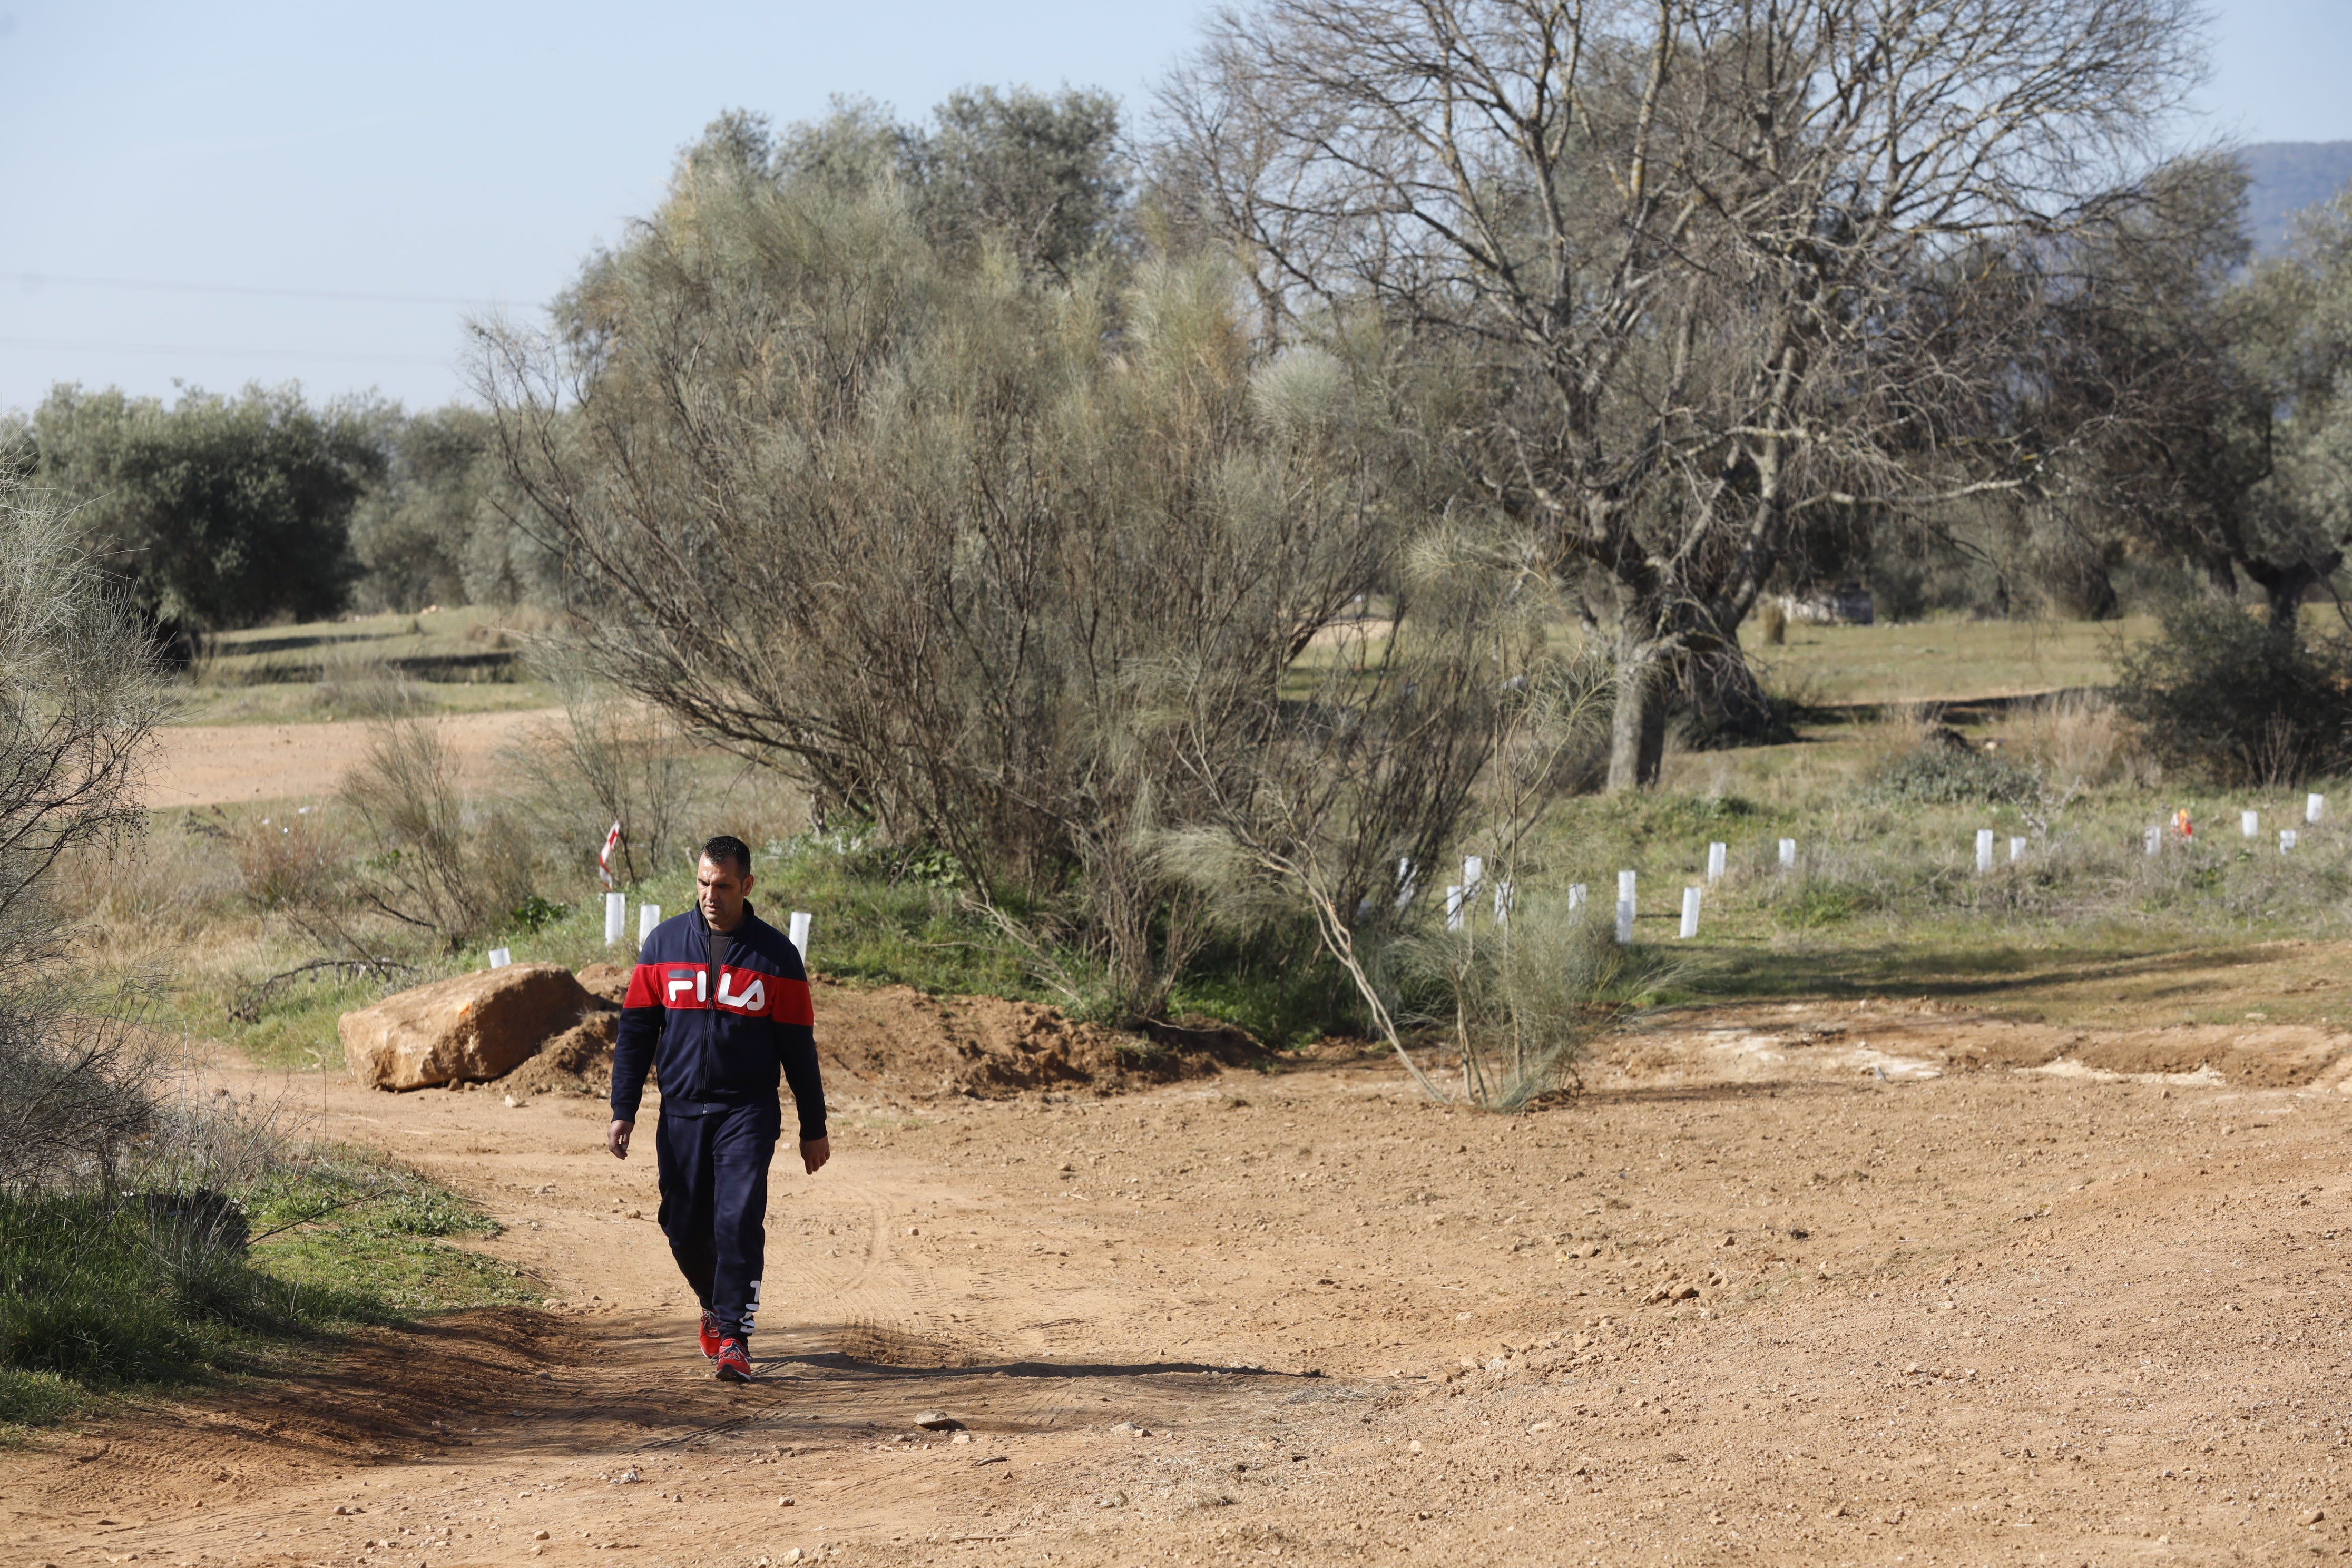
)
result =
(2249, 823)
(1717, 854)
(1690, 913)
(616, 918)
(1575, 896)
(1789, 852)
(648, 917)
(800, 934)
(1627, 892)
(2016, 849)
(500, 957)
(2154, 840)
(1984, 848)
(1453, 901)
(1624, 922)
(2315, 807)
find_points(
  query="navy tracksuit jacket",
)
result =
(717, 1043)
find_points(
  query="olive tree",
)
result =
(1703, 250)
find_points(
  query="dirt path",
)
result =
(1743, 1302)
(225, 764)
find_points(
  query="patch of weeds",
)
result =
(1951, 775)
(105, 1290)
(535, 914)
(1814, 903)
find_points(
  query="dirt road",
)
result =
(1744, 1302)
(225, 764)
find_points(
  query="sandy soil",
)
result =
(224, 764)
(1747, 1299)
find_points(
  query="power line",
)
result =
(42, 279)
(328, 355)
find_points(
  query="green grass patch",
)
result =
(107, 1291)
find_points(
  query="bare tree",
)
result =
(1700, 256)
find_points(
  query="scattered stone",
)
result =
(1912, 1370)
(345, 1507)
(2314, 1516)
(512, 1102)
(1111, 1499)
(1413, 1447)
(1541, 1426)
(936, 1421)
(627, 1478)
(470, 1026)
(783, 1502)
(539, 1535)
(960, 1437)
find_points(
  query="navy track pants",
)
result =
(714, 1204)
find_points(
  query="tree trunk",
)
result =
(1637, 731)
(1729, 705)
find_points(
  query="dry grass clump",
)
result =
(2078, 740)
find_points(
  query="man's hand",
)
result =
(617, 1138)
(814, 1152)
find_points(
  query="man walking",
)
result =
(719, 1007)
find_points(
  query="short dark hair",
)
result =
(718, 851)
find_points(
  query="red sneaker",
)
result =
(711, 1336)
(734, 1361)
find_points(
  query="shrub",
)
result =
(1942, 773)
(2237, 699)
(1522, 999)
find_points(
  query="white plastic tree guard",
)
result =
(1789, 852)
(1690, 913)
(2016, 849)
(500, 957)
(1502, 902)
(799, 932)
(1984, 848)
(1575, 896)
(616, 918)
(2152, 839)
(1474, 871)
(2315, 807)
(1453, 898)
(1628, 891)
(2249, 823)
(1404, 883)
(2288, 839)
(1717, 854)
(648, 917)
(1624, 922)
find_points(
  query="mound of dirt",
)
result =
(900, 1040)
(577, 1061)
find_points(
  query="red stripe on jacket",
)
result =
(751, 992)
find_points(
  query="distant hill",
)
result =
(2289, 176)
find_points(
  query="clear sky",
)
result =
(213, 194)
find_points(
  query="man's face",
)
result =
(719, 890)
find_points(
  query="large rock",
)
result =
(472, 1026)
